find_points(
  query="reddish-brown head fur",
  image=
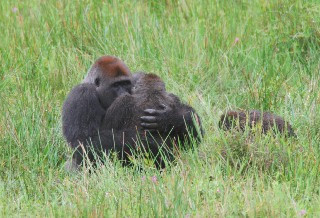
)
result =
(111, 67)
(107, 68)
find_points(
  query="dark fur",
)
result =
(85, 107)
(149, 91)
(86, 127)
(267, 120)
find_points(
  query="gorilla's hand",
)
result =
(156, 120)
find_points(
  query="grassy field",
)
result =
(215, 55)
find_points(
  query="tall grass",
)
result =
(214, 54)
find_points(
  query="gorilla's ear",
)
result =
(97, 81)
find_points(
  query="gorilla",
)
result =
(267, 120)
(177, 126)
(85, 125)
(83, 110)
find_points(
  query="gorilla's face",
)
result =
(108, 91)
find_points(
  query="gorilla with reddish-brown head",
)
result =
(88, 130)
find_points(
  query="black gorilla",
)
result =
(127, 110)
(267, 120)
(84, 121)
(84, 110)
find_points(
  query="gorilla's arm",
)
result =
(179, 120)
(121, 113)
(82, 114)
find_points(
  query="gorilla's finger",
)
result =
(149, 119)
(155, 112)
(149, 125)
(151, 111)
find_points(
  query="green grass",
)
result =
(46, 47)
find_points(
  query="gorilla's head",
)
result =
(144, 83)
(112, 78)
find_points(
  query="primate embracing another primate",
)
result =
(149, 91)
(111, 110)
